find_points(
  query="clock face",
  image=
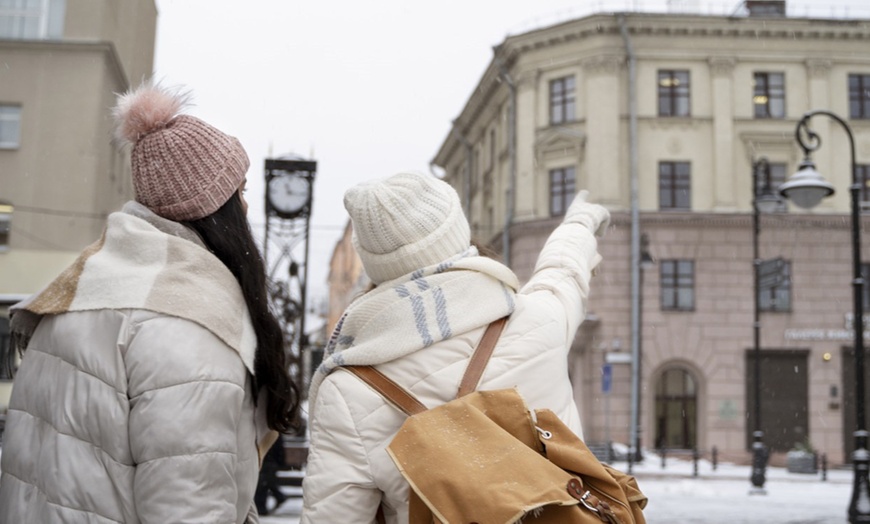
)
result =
(288, 194)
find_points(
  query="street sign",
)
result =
(612, 357)
(772, 273)
(606, 378)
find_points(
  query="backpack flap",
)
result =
(478, 459)
(619, 490)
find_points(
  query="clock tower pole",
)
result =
(289, 191)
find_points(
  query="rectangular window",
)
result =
(673, 89)
(859, 96)
(491, 147)
(10, 126)
(678, 285)
(768, 96)
(561, 190)
(774, 285)
(675, 185)
(862, 174)
(562, 100)
(31, 19)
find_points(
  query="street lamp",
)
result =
(763, 201)
(806, 188)
(634, 452)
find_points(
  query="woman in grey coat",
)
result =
(152, 370)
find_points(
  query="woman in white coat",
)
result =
(434, 297)
(152, 369)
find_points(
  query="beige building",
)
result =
(676, 109)
(680, 107)
(62, 62)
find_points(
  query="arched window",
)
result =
(676, 410)
(5, 225)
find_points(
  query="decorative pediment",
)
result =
(557, 142)
(773, 144)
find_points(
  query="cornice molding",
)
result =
(658, 24)
(107, 48)
(677, 220)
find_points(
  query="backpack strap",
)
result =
(388, 389)
(407, 402)
(481, 357)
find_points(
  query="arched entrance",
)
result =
(676, 409)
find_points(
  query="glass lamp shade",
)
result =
(807, 187)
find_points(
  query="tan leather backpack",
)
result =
(486, 458)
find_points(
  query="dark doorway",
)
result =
(784, 398)
(676, 410)
(848, 379)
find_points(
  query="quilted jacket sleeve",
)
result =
(565, 264)
(186, 391)
(338, 485)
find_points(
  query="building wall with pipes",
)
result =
(696, 361)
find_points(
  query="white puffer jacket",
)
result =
(133, 402)
(349, 471)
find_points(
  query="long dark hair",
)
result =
(227, 234)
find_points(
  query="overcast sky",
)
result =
(365, 88)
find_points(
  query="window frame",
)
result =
(675, 176)
(672, 281)
(764, 91)
(562, 190)
(862, 174)
(12, 119)
(48, 16)
(859, 96)
(565, 100)
(671, 91)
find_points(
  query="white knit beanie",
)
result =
(405, 222)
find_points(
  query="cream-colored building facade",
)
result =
(710, 96)
(61, 64)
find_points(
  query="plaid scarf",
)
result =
(413, 312)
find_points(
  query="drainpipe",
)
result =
(469, 165)
(635, 241)
(512, 155)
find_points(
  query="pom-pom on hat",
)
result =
(183, 168)
(405, 222)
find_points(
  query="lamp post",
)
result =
(635, 455)
(763, 201)
(806, 188)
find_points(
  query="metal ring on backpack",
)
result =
(546, 435)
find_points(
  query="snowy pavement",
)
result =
(714, 497)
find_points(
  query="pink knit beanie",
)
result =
(405, 222)
(183, 168)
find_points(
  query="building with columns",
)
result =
(662, 117)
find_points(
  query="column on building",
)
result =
(722, 89)
(607, 173)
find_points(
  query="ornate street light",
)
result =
(764, 200)
(806, 188)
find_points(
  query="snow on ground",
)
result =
(714, 497)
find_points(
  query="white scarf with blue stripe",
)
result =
(413, 312)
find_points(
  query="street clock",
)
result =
(288, 187)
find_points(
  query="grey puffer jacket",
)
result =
(133, 402)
